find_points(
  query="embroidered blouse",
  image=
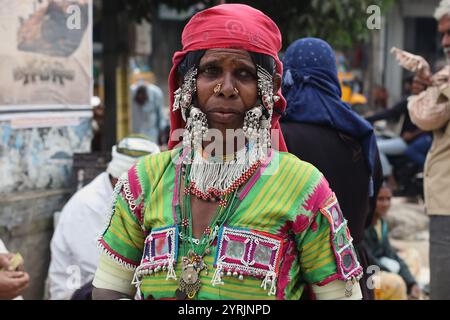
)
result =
(287, 232)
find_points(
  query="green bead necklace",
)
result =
(194, 250)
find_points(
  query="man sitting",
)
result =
(74, 252)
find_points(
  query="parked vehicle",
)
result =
(351, 92)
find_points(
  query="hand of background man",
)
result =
(5, 258)
(420, 82)
(12, 284)
(5, 262)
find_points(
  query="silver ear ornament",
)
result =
(252, 123)
(265, 87)
(183, 95)
(196, 128)
(263, 126)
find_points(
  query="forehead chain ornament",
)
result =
(183, 95)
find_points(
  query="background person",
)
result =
(323, 130)
(395, 280)
(435, 117)
(147, 111)
(74, 252)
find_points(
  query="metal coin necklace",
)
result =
(194, 250)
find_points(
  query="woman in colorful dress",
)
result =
(227, 213)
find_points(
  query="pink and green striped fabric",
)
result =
(287, 199)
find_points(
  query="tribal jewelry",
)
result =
(217, 88)
(183, 96)
(215, 179)
(265, 88)
(212, 180)
(257, 121)
(194, 251)
(196, 123)
(252, 123)
(196, 129)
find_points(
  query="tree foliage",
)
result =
(340, 22)
(137, 10)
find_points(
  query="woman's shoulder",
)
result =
(150, 169)
(289, 167)
(158, 159)
(304, 179)
(289, 161)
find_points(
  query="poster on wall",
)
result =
(45, 55)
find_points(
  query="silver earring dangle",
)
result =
(196, 123)
(265, 90)
(252, 123)
(196, 129)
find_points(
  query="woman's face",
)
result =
(383, 202)
(235, 71)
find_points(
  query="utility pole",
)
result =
(109, 32)
(115, 39)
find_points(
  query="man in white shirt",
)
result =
(74, 252)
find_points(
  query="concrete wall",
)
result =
(36, 175)
(40, 158)
(26, 226)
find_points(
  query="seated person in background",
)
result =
(395, 281)
(381, 96)
(413, 142)
(13, 281)
(74, 253)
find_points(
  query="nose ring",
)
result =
(217, 88)
(236, 90)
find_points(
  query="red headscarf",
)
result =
(235, 26)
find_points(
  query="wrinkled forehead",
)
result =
(226, 54)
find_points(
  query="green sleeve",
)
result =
(123, 239)
(326, 249)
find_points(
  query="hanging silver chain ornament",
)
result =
(183, 95)
(257, 121)
(252, 123)
(265, 87)
(196, 123)
(196, 129)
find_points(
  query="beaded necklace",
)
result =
(214, 179)
(193, 250)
